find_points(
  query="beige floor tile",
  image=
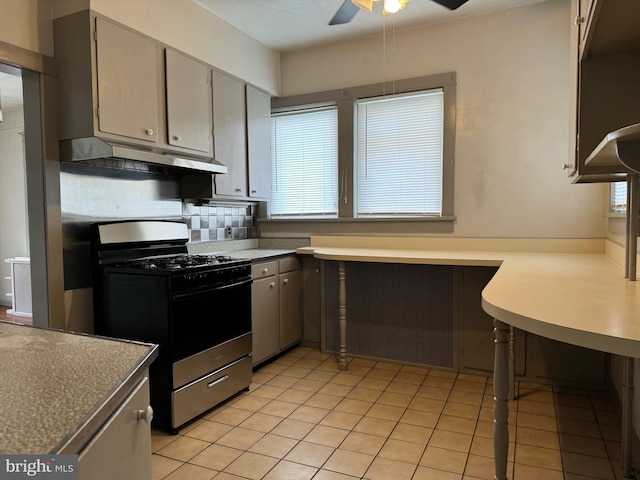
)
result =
(608, 417)
(216, 457)
(209, 431)
(349, 405)
(229, 416)
(572, 400)
(251, 403)
(386, 412)
(251, 465)
(364, 394)
(385, 469)
(363, 362)
(394, 367)
(538, 456)
(425, 404)
(328, 436)
(541, 422)
(412, 433)
(442, 459)
(442, 374)
(381, 373)
(295, 396)
(576, 427)
(273, 445)
(433, 392)
(373, 383)
(296, 372)
(161, 439)
(403, 388)
(422, 419)
(183, 448)
(262, 377)
(282, 381)
(321, 375)
(427, 473)
(261, 422)
(295, 429)
(466, 386)
(375, 426)
(363, 443)
(309, 363)
(267, 391)
(535, 395)
(484, 447)
(529, 472)
(291, 471)
(538, 408)
(440, 382)
(580, 414)
(461, 410)
(322, 400)
(273, 368)
(460, 442)
(192, 472)
(480, 467)
(163, 466)
(278, 408)
(472, 378)
(589, 466)
(402, 451)
(410, 377)
(344, 378)
(611, 432)
(336, 389)
(468, 398)
(328, 475)
(594, 447)
(240, 438)
(342, 420)
(395, 399)
(308, 385)
(311, 454)
(348, 462)
(456, 424)
(485, 429)
(307, 413)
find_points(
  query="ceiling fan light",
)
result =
(364, 4)
(394, 6)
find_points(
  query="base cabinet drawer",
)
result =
(122, 447)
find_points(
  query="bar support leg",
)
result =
(500, 399)
(512, 363)
(342, 302)
(627, 418)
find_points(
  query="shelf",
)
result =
(618, 148)
(612, 26)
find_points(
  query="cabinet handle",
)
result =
(217, 381)
(238, 189)
(285, 281)
(177, 138)
(265, 270)
(146, 414)
(148, 132)
(317, 270)
(565, 166)
(272, 284)
(254, 191)
(579, 20)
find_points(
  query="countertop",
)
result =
(59, 387)
(577, 298)
(258, 253)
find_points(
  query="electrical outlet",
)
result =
(227, 232)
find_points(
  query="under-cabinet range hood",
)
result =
(98, 151)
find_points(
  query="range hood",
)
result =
(90, 149)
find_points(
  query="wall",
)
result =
(513, 114)
(13, 214)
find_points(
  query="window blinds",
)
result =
(619, 197)
(399, 149)
(304, 158)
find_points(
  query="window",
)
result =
(619, 197)
(304, 160)
(362, 156)
(399, 146)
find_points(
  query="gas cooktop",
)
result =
(179, 262)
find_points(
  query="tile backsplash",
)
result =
(212, 222)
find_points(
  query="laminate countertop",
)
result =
(58, 388)
(577, 298)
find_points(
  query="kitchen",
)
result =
(491, 134)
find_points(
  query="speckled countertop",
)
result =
(59, 387)
(259, 253)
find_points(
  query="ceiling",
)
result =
(10, 91)
(294, 24)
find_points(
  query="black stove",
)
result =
(148, 287)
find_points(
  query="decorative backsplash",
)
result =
(214, 222)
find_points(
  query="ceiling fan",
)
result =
(349, 8)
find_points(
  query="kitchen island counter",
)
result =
(60, 387)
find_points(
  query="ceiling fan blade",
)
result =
(345, 13)
(451, 4)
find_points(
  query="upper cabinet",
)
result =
(259, 143)
(230, 142)
(127, 93)
(189, 119)
(608, 86)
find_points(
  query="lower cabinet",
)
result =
(122, 447)
(276, 301)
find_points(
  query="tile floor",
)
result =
(304, 419)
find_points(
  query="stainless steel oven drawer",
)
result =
(193, 367)
(191, 400)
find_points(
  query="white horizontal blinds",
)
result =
(304, 158)
(619, 196)
(399, 148)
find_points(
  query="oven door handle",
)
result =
(208, 290)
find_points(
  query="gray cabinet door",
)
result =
(259, 142)
(189, 122)
(229, 137)
(290, 308)
(265, 318)
(122, 448)
(127, 82)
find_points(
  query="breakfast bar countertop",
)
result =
(60, 387)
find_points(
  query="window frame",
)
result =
(345, 100)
